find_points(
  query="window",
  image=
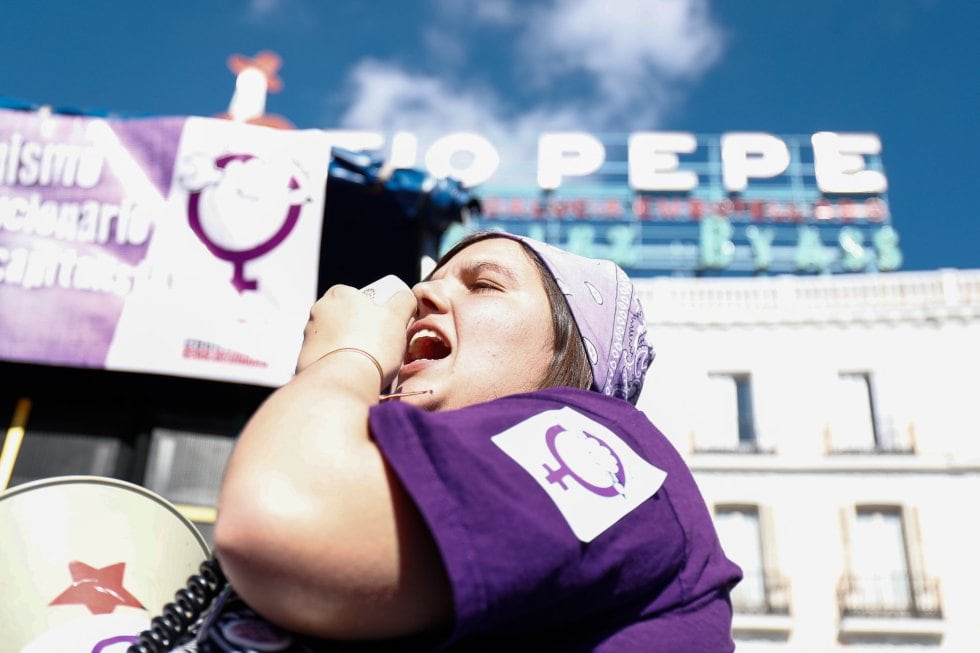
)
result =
(728, 418)
(762, 589)
(45, 454)
(885, 576)
(186, 467)
(64, 438)
(857, 425)
(173, 435)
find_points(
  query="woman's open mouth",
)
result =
(426, 344)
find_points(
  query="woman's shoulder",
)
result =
(611, 412)
(564, 396)
(578, 397)
(584, 408)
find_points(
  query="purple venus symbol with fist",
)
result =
(585, 459)
(242, 207)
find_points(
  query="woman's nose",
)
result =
(431, 297)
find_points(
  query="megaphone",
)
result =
(87, 561)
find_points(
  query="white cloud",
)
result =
(444, 46)
(675, 39)
(386, 97)
(488, 12)
(495, 12)
(261, 8)
(620, 65)
(638, 54)
(296, 14)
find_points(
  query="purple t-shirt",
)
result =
(566, 521)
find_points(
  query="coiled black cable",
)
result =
(183, 612)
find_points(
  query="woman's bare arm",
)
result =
(314, 531)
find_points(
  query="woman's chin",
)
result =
(424, 401)
(417, 390)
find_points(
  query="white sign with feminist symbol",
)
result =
(592, 475)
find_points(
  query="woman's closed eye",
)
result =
(488, 276)
(485, 285)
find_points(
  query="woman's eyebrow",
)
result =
(477, 267)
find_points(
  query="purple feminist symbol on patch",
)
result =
(587, 460)
(242, 208)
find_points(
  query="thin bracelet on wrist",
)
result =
(367, 355)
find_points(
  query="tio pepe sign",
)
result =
(674, 201)
(654, 158)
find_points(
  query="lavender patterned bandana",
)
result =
(608, 314)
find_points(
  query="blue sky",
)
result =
(905, 69)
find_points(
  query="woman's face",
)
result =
(483, 328)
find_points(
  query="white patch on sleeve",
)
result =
(592, 475)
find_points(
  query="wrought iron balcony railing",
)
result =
(888, 440)
(889, 595)
(740, 447)
(761, 592)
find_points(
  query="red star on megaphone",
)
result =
(99, 590)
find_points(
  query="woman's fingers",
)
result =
(347, 317)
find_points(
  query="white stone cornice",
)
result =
(833, 464)
(853, 298)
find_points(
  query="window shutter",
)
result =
(768, 535)
(846, 515)
(846, 584)
(913, 541)
(777, 589)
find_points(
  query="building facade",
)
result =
(831, 424)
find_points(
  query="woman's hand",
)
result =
(347, 317)
(314, 530)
